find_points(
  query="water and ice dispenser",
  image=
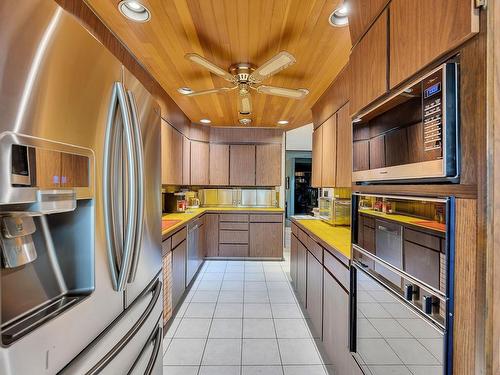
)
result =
(46, 231)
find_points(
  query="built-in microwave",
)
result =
(412, 136)
(402, 284)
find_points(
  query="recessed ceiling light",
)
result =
(282, 122)
(134, 11)
(185, 90)
(205, 121)
(245, 121)
(339, 16)
(357, 119)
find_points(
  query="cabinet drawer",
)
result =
(295, 230)
(266, 218)
(368, 221)
(423, 239)
(166, 246)
(233, 250)
(233, 236)
(178, 237)
(303, 237)
(227, 225)
(234, 217)
(314, 248)
(337, 269)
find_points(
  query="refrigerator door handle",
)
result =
(119, 268)
(156, 289)
(139, 163)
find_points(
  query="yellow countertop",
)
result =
(338, 238)
(193, 213)
(404, 219)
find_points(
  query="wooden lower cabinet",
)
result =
(302, 273)
(314, 293)
(178, 272)
(233, 250)
(294, 243)
(266, 240)
(167, 287)
(212, 235)
(336, 325)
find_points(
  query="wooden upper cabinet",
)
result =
(368, 64)
(362, 13)
(200, 153)
(337, 94)
(344, 148)
(186, 161)
(317, 156)
(219, 164)
(423, 30)
(171, 155)
(242, 165)
(329, 152)
(268, 165)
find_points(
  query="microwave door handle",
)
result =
(139, 165)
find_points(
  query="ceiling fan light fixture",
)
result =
(339, 17)
(134, 11)
(185, 90)
(205, 121)
(283, 122)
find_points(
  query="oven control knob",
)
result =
(428, 303)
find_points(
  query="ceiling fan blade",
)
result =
(211, 91)
(245, 103)
(272, 66)
(282, 91)
(197, 59)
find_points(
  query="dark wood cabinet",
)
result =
(266, 239)
(268, 165)
(344, 148)
(314, 286)
(294, 243)
(200, 153)
(329, 152)
(212, 234)
(179, 254)
(302, 273)
(171, 155)
(242, 165)
(361, 14)
(336, 325)
(317, 157)
(360, 155)
(368, 63)
(423, 30)
(186, 161)
(377, 152)
(219, 164)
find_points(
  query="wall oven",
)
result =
(401, 308)
(413, 136)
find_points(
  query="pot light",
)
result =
(205, 121)
(134, 11)
(339, 16)
(185, 90)
(357, 119)
(282, 122)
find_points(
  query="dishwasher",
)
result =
(194, 258)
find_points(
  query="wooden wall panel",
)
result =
(335, 96)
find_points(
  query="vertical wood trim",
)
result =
(465, 331)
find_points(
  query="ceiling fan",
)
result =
(246, 76)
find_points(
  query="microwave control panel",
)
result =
(432, 94)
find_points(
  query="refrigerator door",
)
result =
(147, 261)
(57, 82)
(129, 342)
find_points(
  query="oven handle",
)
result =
(439, 294)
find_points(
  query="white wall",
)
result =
(299, 139)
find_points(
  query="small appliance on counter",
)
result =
(335, 206)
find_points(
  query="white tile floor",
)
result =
(241, 318)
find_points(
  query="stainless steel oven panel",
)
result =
(390, 335)
(389, 247)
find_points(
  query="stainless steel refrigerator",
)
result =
(80, 216)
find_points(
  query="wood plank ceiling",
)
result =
(232, 31)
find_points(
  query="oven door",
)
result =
(389, 335)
